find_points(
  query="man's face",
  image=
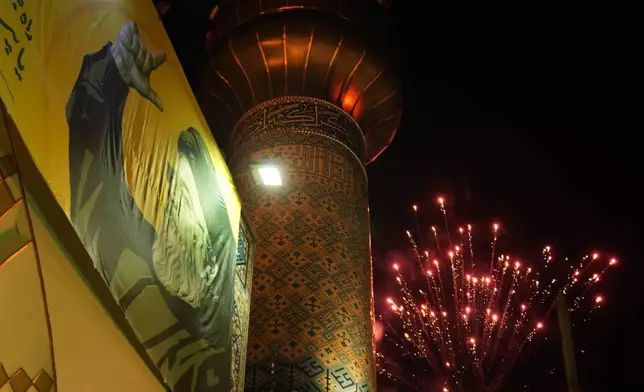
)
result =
(187, 206)
(182, 247)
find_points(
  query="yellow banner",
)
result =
(101, 102)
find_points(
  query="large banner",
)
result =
(101, 102)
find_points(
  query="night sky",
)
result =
(539, 131)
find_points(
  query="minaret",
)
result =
(305, 90)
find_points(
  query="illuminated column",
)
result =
(305, 87)
(311, 306)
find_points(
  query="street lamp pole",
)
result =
(565, 327)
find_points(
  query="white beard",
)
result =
(181, 251)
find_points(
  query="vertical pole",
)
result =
(565, 327)
(273, 373)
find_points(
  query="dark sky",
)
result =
(540, 131)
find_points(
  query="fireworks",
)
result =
(473, 313)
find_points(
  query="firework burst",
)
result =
(475, 311)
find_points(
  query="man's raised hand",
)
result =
(135, 62)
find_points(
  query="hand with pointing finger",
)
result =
(135, 62)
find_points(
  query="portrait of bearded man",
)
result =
(189, 261)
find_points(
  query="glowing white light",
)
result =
(270, 175)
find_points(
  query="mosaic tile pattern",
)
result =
(20, 381)
(311, 313)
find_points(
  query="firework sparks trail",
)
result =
(470, 335)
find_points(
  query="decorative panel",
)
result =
(26, 357)
(241, 310)
(19, 381)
